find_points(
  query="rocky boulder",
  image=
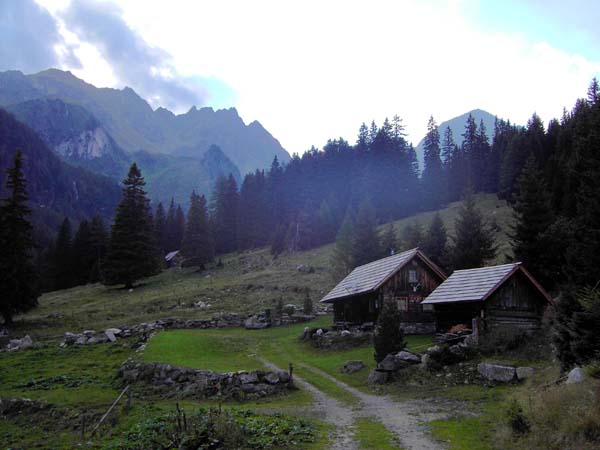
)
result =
(353, 366)
(577, 375)
(15, 345)
(497, 372)
(391, 363)
(408, 357)
(256, 323)
(524, 373)
(378, 377)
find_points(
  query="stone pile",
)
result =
(21, 406)
(391, 365)
(146, 329)
(338, 340)
(201, 384)
(502, 373)
(19, 344)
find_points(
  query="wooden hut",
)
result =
(407, 278)
(497, 296)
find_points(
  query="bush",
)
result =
(210, 428)
(516, 419)
(389, 337)
(308, 304)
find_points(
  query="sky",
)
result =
(315, 70)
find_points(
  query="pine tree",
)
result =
(473, 243)
(412, 236)
(307, 307)
(98, 243)
(197, 246)
(432, 172)
(342, 261)
(160, 228)
(533, 216)
(435, 242)
(62, 260)
(132, 252)
(366, 245)
(18, 279)
(224, 214)
(389, 337)
(389, 243)
(84, 257)
(175, 225)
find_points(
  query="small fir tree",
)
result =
(62, 260)
(160, 228)
(308, 304)
(389, 243)
(342, 261)
(18, 278)
(365, 241)
(435, 242)
(389, 337)
(473, 243)
(132, 252)
(412, 236)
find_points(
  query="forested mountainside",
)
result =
(135, 126)
(55, 188)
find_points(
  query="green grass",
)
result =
(373, 435)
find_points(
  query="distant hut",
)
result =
(407, 278)
(504, 296)
(173, 259)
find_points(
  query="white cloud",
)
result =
(312, 70)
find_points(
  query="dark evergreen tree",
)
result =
(389, 337)
(132, 252)
(436, 241)
(342, 261)
(197, 246)
(366, 245)
(307, 307)
(18, 279)
(160, 229)
(389, 241)
(224, 211)
(412, 236)
(62, 260)
(84, 257)
(473, 243)
(175, 225)
(433, 181)
(533, 217)
(97, 247)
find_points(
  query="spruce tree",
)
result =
(389, 337)
(224, 214)
(412, 236)
(531, 243)
(366, 245)
(160, 228)
(62, 260)
(473, 243)
(132, 252)
(84, 257)
(389, 243)
(435, 242)
(432, 172)
(342, 260)
(98, 243)
(197, 244)
(18, 279)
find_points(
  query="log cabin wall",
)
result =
(516, 304)
(409, 287)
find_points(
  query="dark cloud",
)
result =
(148, 70)
(28, 35)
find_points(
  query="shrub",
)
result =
(308, 304)
(389, 337)
(516, 419)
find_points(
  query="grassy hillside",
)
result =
(248, 282)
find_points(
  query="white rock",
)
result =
(577, 375)
(110, 335)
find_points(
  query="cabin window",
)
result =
(427, 308)
(402, 304)
(412, 276)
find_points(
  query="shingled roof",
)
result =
(371, 276)
(475, 285)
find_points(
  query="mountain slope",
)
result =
(135, 126)
(457, 125)
(55, 188)
(73, 133)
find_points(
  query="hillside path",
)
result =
(404, 419)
